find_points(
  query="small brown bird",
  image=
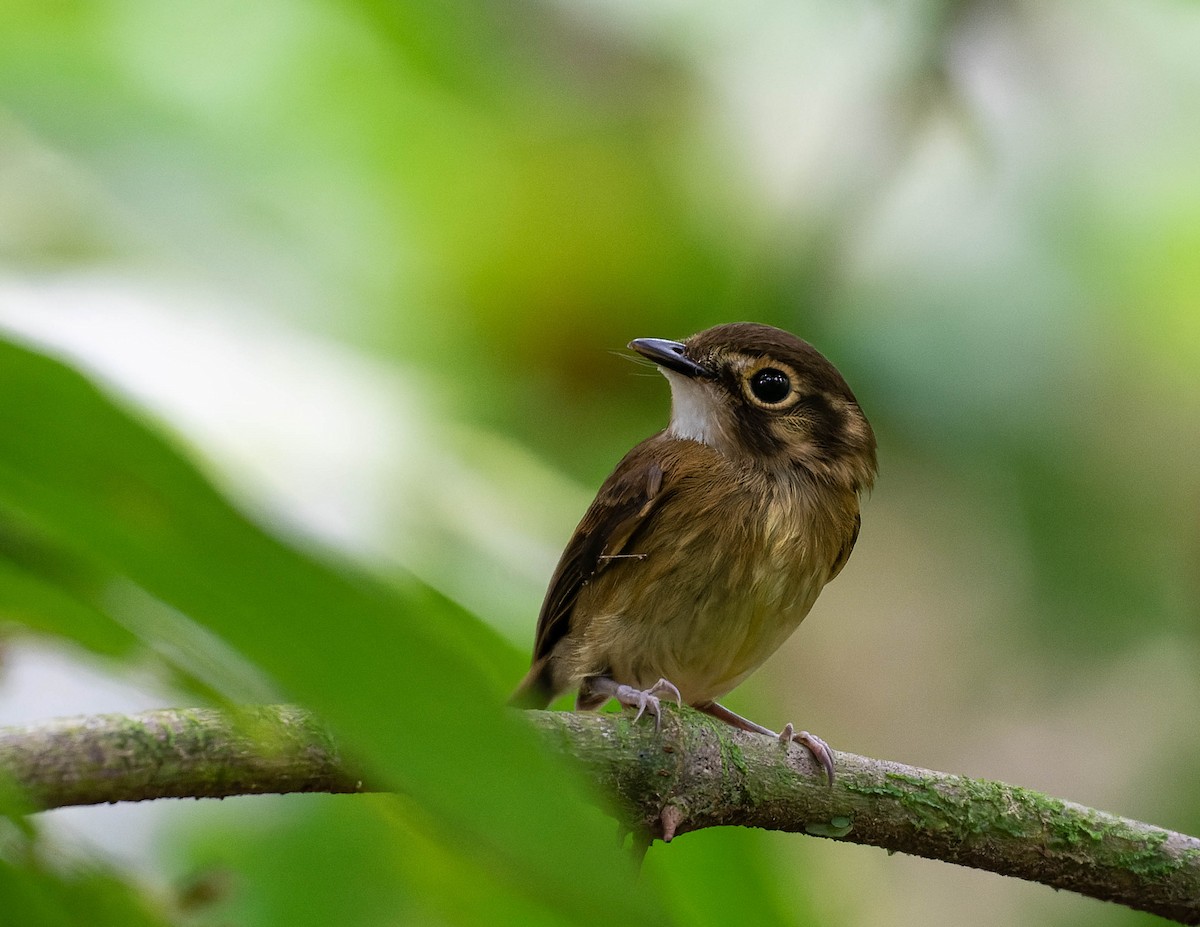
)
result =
(709, 543)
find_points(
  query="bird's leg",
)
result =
(814, 744)
(594, 691)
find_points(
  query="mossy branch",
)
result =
(171, 753)
(695, 773)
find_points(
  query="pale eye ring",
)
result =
(770, 386)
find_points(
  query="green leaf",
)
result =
(35, 895)
(730, 875)
(362, 860)
(43, 606)
(400, 672)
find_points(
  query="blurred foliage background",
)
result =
(368, 266)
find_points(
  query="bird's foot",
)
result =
(646, 700)
(815, 745)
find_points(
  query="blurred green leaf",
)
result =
(726, 876)
(274, 862)
(44, 606)
(400, 672)
(35, 895)
(366, 860)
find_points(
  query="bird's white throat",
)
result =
(693, 409)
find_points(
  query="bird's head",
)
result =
(766, 398)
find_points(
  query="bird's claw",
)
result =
(666, 687)
(815, 745)
(647, 700)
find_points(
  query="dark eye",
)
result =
(770, 386)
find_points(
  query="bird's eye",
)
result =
(770, 386)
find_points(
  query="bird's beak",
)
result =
(672, 355)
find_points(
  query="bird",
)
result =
(709, 543)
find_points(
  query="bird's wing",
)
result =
(603, 539)
(846, 549)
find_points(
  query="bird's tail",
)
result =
(535, 690)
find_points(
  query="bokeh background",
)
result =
(371, 266)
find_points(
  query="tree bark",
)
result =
(694, 773)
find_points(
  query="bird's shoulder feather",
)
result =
(640, 485)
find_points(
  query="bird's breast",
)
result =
(722, 585)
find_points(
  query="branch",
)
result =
(695, 773)
(172, 753)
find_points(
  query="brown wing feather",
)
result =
(600, 542)
(846, 550)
